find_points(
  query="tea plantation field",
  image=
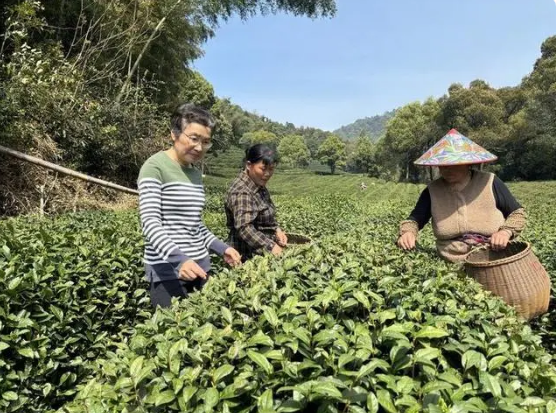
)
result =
(347, 324)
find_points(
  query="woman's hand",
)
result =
(191, 270)
(407, 241)
(281, 238)
(232, 257)
(499, 240)
(276, 250)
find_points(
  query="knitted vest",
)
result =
(469, 210)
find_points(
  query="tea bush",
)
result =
(350, 323)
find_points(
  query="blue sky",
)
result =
(375, 55)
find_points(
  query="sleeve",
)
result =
(422, 211)
(211, 242)
(420, 215)
(150, 212)
(505, 201)
(244, 210)
(513, 212)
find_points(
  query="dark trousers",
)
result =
(163, 291)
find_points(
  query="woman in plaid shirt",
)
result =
(250, 213)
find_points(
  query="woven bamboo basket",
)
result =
(515, 274)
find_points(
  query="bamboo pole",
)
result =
(66, 171)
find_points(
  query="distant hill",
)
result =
(373, 126)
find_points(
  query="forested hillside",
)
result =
(374, 127)
(89, 85)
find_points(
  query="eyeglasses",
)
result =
(197, 140)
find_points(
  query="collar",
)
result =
(248, 182)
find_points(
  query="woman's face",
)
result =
(259, 172)
(454, 174)
(192, 144)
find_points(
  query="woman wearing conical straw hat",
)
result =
(467, 206)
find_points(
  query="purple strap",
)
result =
(474, 239)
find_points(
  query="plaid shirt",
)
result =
(250, 217)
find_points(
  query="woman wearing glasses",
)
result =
(250, 213)
(171, 201)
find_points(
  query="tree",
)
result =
(194, 88)
(313, 138)
(332, 152)
(293, 151)
(477, 112)
(535, 138)
(409, 133)
(260, 136)
(363, 157)
(145, 39)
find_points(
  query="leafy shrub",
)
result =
(346, 325)
(69, 287)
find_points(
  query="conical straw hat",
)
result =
(455, 149)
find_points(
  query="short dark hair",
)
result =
(262, 152)
(187, 113)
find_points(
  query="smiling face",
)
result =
(454, 174)
(192, 144)
(259, 172)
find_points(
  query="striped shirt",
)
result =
(171, 202)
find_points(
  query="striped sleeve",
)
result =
(150, 211)
(211, 242)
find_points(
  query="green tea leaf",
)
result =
(260, 339)
(143, 374)
(302, 334)
(271, 317)
(211, 399)
(490, 384)
(290, 406)
(386, 315)
(57, 312)
(261, 361)
(266, 401)
(165, 397)
(372, 366)
(274, 355)
(362, 298)
(345, 359)
(435, 385)
(14, 283)
(188, 393)
(231, 288)
(496, 362)
(450, 377)
(326, 388)
(222, 372)
(431, 332)
(325, 337)
(533, 402)
(26, 352)
(426, 355)
(372, 403)
(227, 315)
(404, 385)
(135, 366)
(10, 396)
(6, 252)
(472, 358)
(385, 400)
(47, 389)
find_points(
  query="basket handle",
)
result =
(487, 246)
